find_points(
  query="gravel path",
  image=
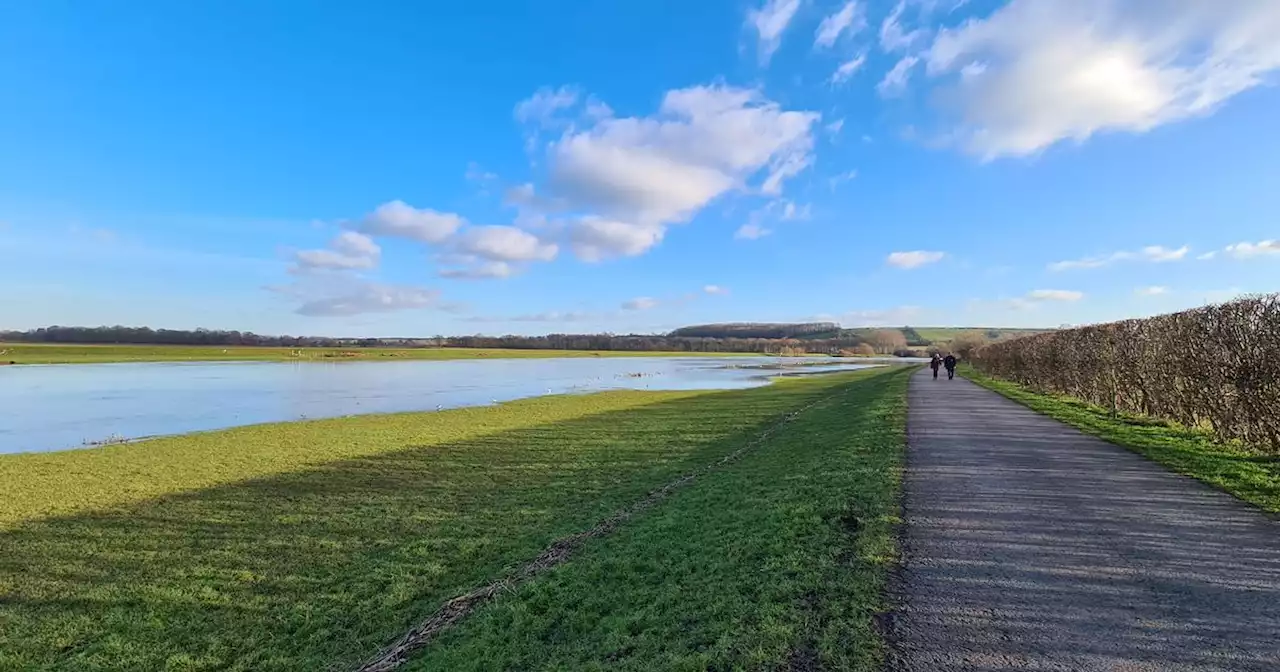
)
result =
(1030, 546)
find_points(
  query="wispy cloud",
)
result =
(769, 22)
(849, 19)
(640, 303)
(848, 69)
(914, 258)
(1055, 295)
(368, 297)
(751, 231)
(1151, 253)
(1153, 290)
(895, 81)
(1251, 250)
(715, 289)
(894, 37)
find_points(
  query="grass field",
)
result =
(1251, 476)
(311, 545)
(938, 334)
(39, 353)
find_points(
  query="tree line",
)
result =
(631, 342)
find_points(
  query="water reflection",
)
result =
(66, 406)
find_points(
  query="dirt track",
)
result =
(1030, 546)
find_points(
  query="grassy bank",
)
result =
(312, 545)
(39, 353)
(1246, 474)
(775, 562)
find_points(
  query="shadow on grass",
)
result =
(323, 566)
(775, 562)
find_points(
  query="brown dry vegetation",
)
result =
(1213, 367)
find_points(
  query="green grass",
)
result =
(308, 546)
(40, 353)
(937, 334)
(1249, 475)
(774, 562)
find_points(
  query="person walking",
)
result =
(935, 364)
(950, 363)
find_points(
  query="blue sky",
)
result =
(532, 167)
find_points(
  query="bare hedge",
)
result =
(1217, 366)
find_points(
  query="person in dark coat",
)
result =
(950, 363)
(935, 364)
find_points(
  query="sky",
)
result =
(414, 169)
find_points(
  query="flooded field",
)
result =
(74, 406)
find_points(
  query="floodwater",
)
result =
(55, 407)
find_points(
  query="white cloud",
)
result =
(715, 290)
(895, 81)
(792, 212)
(542, 107)
(1055, 295)
(477, 173)
(788, 167)
(914, 259)
(834, 127)
(775, 211)
(1153, 290)
(751, 232)
(1157, 253)
(348, 251)
(504, 243)
(596, 239)
(769, 23)
(850, 18)
(366, 297)
(1250, 250)
(398, 219)
(635, 176)
(1207, 255)
(1043, 71)
(835, 180)
(1150, 253)
(640, 303)
(848, 69)
(893, 37)
(489, 270)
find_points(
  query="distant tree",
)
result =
(886, 341)
(966, 342)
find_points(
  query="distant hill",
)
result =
(936, 334)
(916, 336)
(760, 330)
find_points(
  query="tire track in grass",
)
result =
(559, 552)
